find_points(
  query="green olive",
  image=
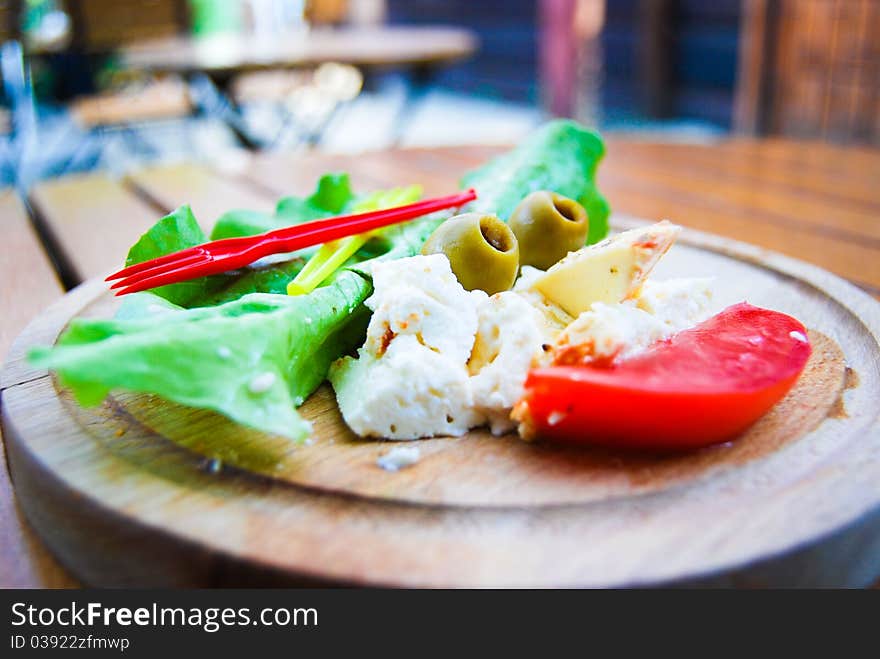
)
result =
(482, 251)
(548, 226)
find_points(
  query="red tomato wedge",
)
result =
(702, 386)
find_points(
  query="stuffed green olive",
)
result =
(548, 226)
(482, 251)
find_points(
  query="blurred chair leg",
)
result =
(212, 102)
(419, 83)
(83, 147)
(19, 91)
(132, 137)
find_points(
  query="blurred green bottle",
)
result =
(215, 16)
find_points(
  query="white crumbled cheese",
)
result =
(616, 331)
(261, 383)
(409, 392)
(438, 360)
(677, 303)
(527, 276)
(420, 297)
(606, 332)
(398, 458)
(508, 336)
(409, 379)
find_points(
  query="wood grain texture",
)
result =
(27, 280)
(209, 193)
(495, 513)
(27, 285)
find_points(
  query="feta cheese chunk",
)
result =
(438, 360)
(677, 303)
(420, 297)
(553, 318)
(609, 271)
(409, 379)
(508, 336)
(409, 392)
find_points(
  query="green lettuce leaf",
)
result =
(177, 230)
(332, 196)
(253, 360)
(561, 156)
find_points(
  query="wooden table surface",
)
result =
(813, 201)
(360, 46)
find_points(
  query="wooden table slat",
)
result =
(361, 46)
(209, 193)
(27, 279)
(27, 284)
(857, 262)
(852, 191)
(94, 219)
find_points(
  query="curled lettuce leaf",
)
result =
(253, 360)
(561, 156)
(179, 230)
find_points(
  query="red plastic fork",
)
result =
(232, 253)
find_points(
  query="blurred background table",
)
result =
(225, 55)
(419, 51)
(810, 200)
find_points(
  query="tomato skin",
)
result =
(703, 386)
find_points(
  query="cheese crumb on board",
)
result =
(399, 457)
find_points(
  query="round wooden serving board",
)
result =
(141, 492)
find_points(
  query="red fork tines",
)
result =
(233, 253)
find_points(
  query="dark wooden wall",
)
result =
(102, 25)
(671, 58)
(506, 66)
(695, 68)
(812, 69)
